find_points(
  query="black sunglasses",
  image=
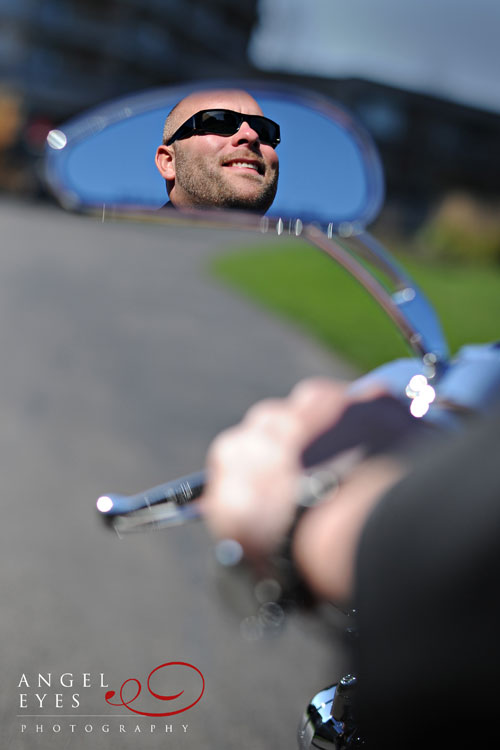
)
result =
(227, 122)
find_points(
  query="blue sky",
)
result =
(450, 48)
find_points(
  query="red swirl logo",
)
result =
(126, 703)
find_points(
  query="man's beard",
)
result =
(202, 182)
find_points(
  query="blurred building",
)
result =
(59, 57)
(65, 55)
(430, 147)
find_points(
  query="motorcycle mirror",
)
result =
(330, 186)
(330, 172)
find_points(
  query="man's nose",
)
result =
(245, 134)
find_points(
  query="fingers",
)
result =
(252, 477)
(254, 468)
(275, 417)
(317, 403)
(311, 390)
(311, 407)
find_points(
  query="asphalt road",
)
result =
(121, 358)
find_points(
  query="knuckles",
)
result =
(311, 391)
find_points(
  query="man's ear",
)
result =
(165, 162)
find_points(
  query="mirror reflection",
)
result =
(329, 170)
(219, 151)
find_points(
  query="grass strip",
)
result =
(303, 285)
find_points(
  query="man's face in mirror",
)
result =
(205, 170)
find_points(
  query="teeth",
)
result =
(244, 164)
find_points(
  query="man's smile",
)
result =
(247, 165)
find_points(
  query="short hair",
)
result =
(168, 130)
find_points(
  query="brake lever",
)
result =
(168, 504)
(155, 517)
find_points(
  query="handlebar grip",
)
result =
(174, 502)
